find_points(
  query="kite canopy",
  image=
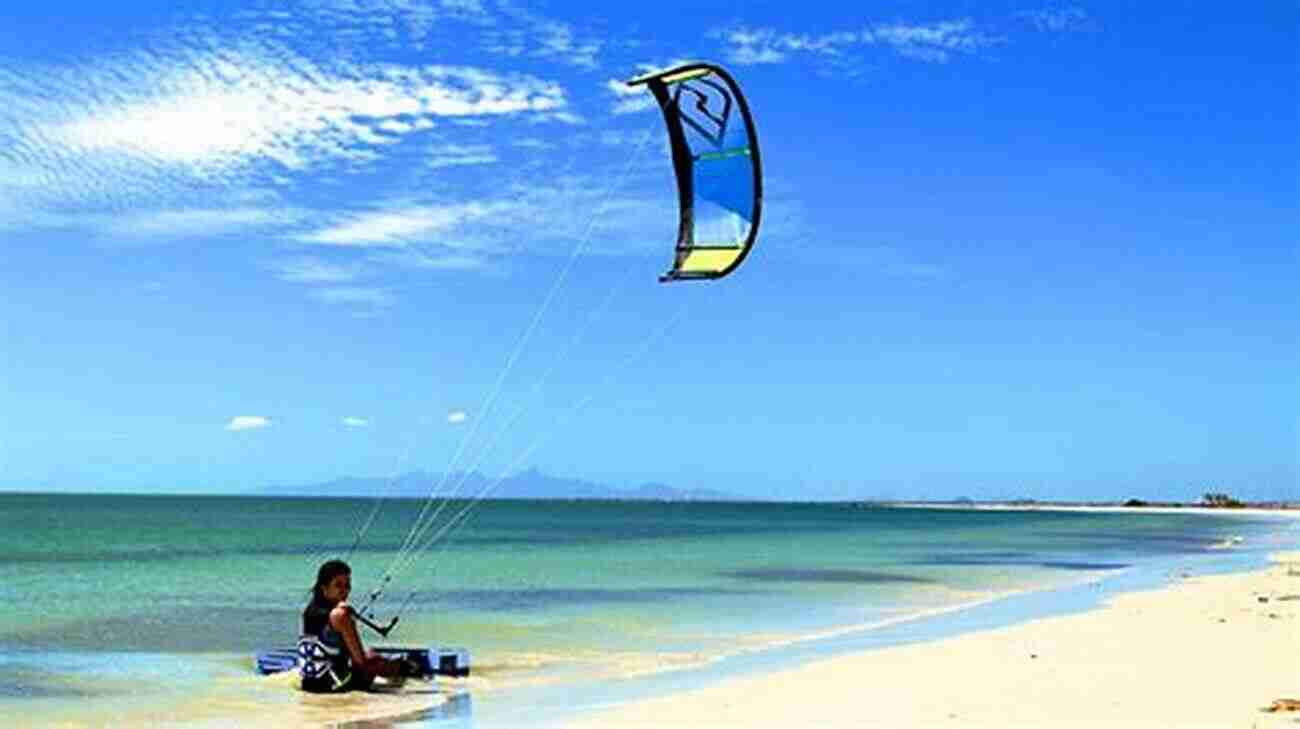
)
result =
(715, 157)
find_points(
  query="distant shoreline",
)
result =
(1289, 509)
(1248, 508)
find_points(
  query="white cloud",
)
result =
(532, 143)
(934, 42)
(457, 416)
(754, 46)
(558, 40)
(1058, 20)
(564, 117)
(455, 155)
(311, 270)
(395, 126)
(362, 295)
(129, 227)
(446, 261)
(536, 36)
(399, 226)
(464, 6)
(750, 55)
(629, 99)
(167, 126)
(620, 88)
(355, 422)
(430, 257)
(272, 112)
(247, 422)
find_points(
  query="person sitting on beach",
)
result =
(332, 658)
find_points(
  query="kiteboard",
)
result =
(448, 662)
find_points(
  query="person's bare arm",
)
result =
(342, 622)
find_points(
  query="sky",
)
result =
(1009, 249)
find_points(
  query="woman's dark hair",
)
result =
(325, 574)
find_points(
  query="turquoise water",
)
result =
(109, 598)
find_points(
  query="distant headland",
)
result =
(528, 484)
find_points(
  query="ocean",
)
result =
(146, 610)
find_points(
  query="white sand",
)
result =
(1204, 653)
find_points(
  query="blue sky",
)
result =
(1009, 249)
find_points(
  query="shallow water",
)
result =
(111, 603)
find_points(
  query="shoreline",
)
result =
(1202, 651)
(1256, 511)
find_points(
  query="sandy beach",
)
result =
(1204, 652)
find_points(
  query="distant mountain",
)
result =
(530, 484)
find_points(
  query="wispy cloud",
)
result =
(400, 127)
(522, 219)
(271, 111)
(355, 422)
(1059, 20)
(465, 6)
(530, 34)
(457, 416)
(532, 143)
(434, 258)
(310, 270)
(629, 99)
(620, 88)
(247, 422)
(559, 41)
(374, 297)
(751, 46)
(133, 226)
(398, 24)
(399, 226)
(937, 42)
(166, 127)
(459, 155)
